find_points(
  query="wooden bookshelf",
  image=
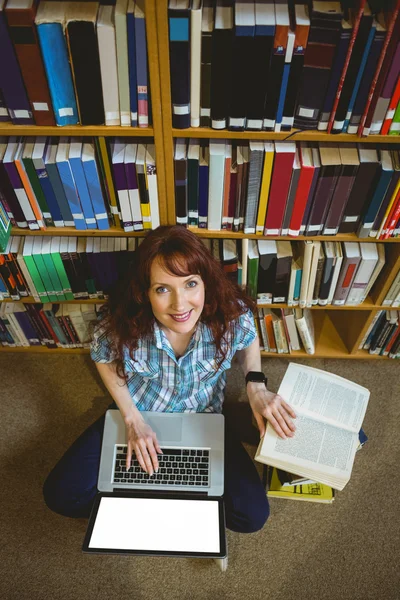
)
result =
(339, 329)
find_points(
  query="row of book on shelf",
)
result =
(54, 269)
(284, 188)
(49, 325)
(319, 458)
(274, 65)
(78, 182)
(65, 63)
(383, 335)
(301, 274)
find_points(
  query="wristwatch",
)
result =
(257, 377)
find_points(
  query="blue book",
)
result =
(130, 25)
(203, 187)
(75, 160)
(67, 180)
(49, 22)
(362, 437)
(366, 80)
(94, 185)
(3, 289)
(378, 323)
(24, 322)
(282, 96)
(57, 186)
(359, 75)
(38, 156)
(141, 65)
(297, 284)
(367, 220)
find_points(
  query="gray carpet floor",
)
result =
(344, 551)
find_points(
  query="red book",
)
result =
(303, 189)
(391, 109)
(21, 23)
(392, 219)
(280, 182)
(356, 25)
(382, 67)
(392, 341)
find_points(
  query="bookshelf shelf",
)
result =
(71, 231)
(43, 350)
(76, 130)
(225, 234)
(295, 135)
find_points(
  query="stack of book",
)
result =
(286, 331)
(392, 297)
(49, 325)
(383, 335)
(284, 188)
(83, 183)
(55, 269)
(329, 414)
(303, 273)
(65, 63)
(265, 65)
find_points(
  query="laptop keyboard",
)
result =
(177, 467)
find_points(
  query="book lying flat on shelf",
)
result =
(330, 411)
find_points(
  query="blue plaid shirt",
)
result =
(158, 381)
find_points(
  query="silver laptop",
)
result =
(178, 511)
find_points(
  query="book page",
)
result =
(315, 445)
(324, 396)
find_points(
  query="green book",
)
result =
(41, 267)
(252, 269)
(51, 269)
(34, 181)
(33, 270)
(5, 228)
(58, 263)
(193, 182)
(395, 126)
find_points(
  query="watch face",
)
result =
(255, 376)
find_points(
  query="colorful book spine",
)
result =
(141, 65)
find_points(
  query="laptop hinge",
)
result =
(172, 493)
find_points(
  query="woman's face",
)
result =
(177, 302)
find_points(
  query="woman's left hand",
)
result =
(272, 407)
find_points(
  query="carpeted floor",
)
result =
(345, 551)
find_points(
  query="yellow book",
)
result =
(393, 199)
(265, 185)
(109, 180)
(309, 492)
(143, 185)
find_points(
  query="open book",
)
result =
(330, 411)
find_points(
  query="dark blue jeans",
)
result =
(71, 487)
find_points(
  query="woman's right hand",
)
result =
(143, 442)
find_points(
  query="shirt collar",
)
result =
(202, 334)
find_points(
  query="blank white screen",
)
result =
(156, 524)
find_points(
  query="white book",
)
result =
(313, 272)
(75, 314)
(121, 34)
(305, 327)
(195, 61)
(338, 267)
(392, 292)
(369, 260)
(216, 184)
(9, 312)
(108, 63)
(151, 173)
(327, 423)
(294, 342)
(307, 248)
(245, 253)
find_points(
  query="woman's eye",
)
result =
(192, 284)
(161, 290)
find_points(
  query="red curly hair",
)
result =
(128, 315)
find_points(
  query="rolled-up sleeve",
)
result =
(245, 331)
(101, 349)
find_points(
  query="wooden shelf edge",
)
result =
(76, 130)
(227, 234)
(71, 231)
(295, 135)
(43, 350)
(361, 355)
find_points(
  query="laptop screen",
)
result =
(155, 525)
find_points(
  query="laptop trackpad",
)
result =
(167, 430)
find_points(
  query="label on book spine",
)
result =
(254, 123)
(40, 106)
